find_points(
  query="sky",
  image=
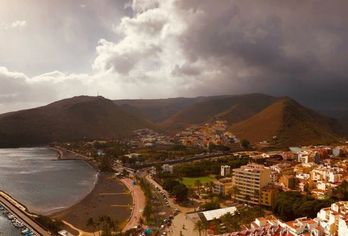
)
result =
(50, 50)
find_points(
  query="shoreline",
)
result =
(99, 194)
(66, 155)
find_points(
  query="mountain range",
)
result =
(256, 117)
(69, 119)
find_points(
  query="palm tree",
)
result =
(91, 223)
(205, 226)
(199, 227)
(107, 225)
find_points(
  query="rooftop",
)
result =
(216, 214)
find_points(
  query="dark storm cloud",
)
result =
(175, 47)
(296, 48)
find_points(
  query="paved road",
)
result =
(181, 224)
(23, 217)
(138, 203)
(183, 160)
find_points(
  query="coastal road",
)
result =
(138, 203)
(22, 216)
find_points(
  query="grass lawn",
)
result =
(190, 182)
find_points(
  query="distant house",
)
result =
(167, 168)
(132, 155)
(100, 153)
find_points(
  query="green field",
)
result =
(190, 182)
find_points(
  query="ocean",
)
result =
(35, 177)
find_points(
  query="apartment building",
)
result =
(225, 170)
(222, 186)
(250, 179)
(268, 194)
(334, 219)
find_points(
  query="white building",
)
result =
(167, 168)
(225, 170)
(216, 214)
(334, 219)
(342, 226)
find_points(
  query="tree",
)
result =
(180, 191)
(169, 184)
(51, 224)
(105, 164)
(92, 224)
(244, 216)
(198, 185)
(291, 205)
(199, 227)
(210, 205)
(205, 226)
(107, 226)
(245, 143)
(341, 192)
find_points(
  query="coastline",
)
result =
(100, 201)
(64, 154)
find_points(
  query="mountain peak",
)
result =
(66, 120)
(291, 122)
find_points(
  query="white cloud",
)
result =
(18, 24)
(199, 47)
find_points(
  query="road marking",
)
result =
(117, 205)
(111, 194)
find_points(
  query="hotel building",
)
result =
(249, 180)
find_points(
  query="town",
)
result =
(173, 118)
(205, 180)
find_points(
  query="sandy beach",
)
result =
(109, 197)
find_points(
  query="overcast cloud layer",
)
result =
(168, 48)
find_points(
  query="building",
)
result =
(249, 180)
(225, 170)
(343, 226)
(222, 186)
(216, 214)
(268, 194)
(167, 168)
(334, 219)
(330, 221)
